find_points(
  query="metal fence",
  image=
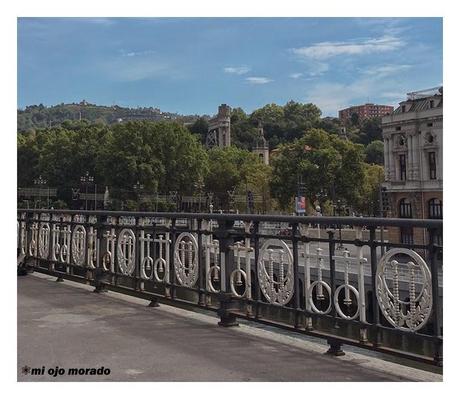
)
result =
(347, 291)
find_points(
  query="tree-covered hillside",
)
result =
(40, 116)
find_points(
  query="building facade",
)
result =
(219, 133)
(365, 111)
(413, 156)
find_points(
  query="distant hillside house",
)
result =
(365, 111)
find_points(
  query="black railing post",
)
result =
(335, 345)
(172, 273)
(99, 272)
(436, 312)
(375, 305)
(227, 304)
(295, 255)
(201, 268)
(255, 235)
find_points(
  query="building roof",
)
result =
(418, 105)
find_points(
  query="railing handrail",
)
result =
(321, 220)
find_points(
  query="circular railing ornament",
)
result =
(126, 251)
(320, 284)
(276, 257)
(411, 314)
(238, 278)
(44, 240)
(63, 251)
(186, 259)
(160, 270)
(78, 245)
(32, 247)
(106, 260)
(338, 308)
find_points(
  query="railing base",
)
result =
(227, 319)
(59, 280)
(335, 348)
(153, 303)
(100, 288)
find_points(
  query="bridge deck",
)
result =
(65, 325)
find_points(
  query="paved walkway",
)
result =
(68, 326)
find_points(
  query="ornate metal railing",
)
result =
(364, 290)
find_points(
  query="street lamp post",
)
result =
(86, 180)
(199, 185)
(138, 187)
(40, 181)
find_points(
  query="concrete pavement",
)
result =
(65, 326)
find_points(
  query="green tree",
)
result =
(374, 152)
(325, 163)
(200, 128)
(370, 130)
(368, 202)
(354, 119)
(235, 169)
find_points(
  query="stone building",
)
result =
(219, 128)
(413, 155)
(261, 145)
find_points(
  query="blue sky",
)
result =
(191, 65)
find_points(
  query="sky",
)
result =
(191, 65)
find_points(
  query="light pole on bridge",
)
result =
(86, 180)
(41, 182)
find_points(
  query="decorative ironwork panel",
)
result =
(186, 259)
(126, 251)
(348, 289)
(33, 246)
(212, 262)
(108, 263)
(44, 240)
(78, 245)
(276, 271)
(157, 269)
(241, 277)
(410, 313)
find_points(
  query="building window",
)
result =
(430, 124)
(403, 108)
(405, 209)
(431, 103)
(402, 167)
(398, 127)
(435, 208)
(432, 165)
(435, 212)
(407, 235)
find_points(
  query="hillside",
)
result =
(40, 116)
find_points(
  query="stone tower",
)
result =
(219, 128)
(261, 145)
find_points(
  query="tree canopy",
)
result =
(165, 156)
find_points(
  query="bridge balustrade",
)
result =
(346, 291)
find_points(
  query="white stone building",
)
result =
(413, 156)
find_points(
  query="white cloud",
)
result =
(386, 70)
(296, 75)
(131, 68)
(239, 70)
(136, 53)
(93, 20)
(325, 50)
(318, 69)
(258, 80)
